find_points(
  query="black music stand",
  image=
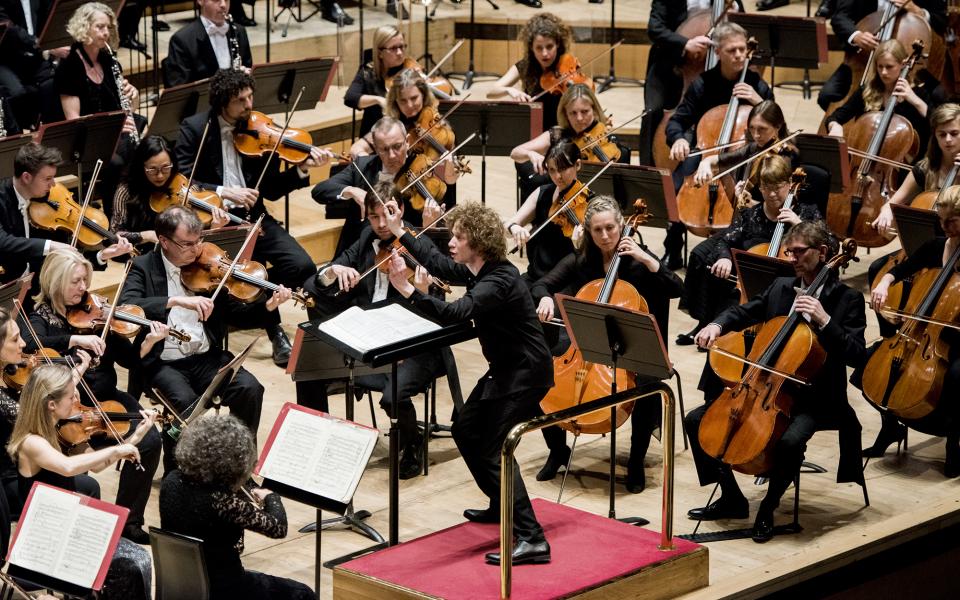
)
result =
(9, 146)
(755, 272)
(516, 123)
(230, 238)
(627, 183)
(15, 290)
(85, 140)
(54, 33)
(915, 226)
(392, 354)
(176, 104)
(604, 83)
(798, 42)
(622, 339)
(213, 395)
(827, 152)
(470, 74)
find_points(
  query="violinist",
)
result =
(708, 290)
(546, 38)
(914, 100)
(49, 396)
(151, 171)
(713, 87)
(935, 254)
(657, 284)
(202, 499)
(838, 320)
(64, 285)
(222, 168)
(368, 91)
(22, 243)
(11, 354)
(181, 372)
(511, 339)
(211, 42)
(848, 14)
(415, 373)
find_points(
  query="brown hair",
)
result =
(403, 80)
(482, 228)
(543, 24)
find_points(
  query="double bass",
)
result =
(743, 425)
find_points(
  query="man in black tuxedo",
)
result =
(206, 45)
(233, 176)
(837, 318)
(844, 23)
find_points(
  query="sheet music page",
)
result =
(320, 455)
(365, 330)
(62, 538)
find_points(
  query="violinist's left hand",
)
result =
(576, 237)
(280, 296)
(746, 93)
(811, 307)
(398, 275)
(394, 218)
(220, 218)
(421, 279)
(629, 247)
(123, 246)
(149, 418)
(432, 211)
(788, 216)
(318, 157)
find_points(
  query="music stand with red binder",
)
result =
(50, 549)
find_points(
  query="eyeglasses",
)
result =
(398, 48)
(394, 148)
(796, 251)
(186, 245)
(163, 169)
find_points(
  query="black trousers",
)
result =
(479, 432)
(260, 586)
(835, 88)
(290, 265)
(788, 456)
(660, 91)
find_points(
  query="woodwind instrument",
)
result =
(124, 101)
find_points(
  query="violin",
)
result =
(565, 72)
(439, 85)
(743, 425)
(59, 211)
(245, 283)
(383, 264)
(433, 136)
(705, 210)
(882, 134)
(201, 201)
(571, 207)
(15, 375)
(595, 145)
(86, 423)
(258, 136)
(91, 314)
(577, 381)
(429, 187)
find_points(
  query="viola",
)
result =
(86, 423)
(430, 187)
(383, 264)
(91, 313)
(743, 425)
(15, 375)
(439, 85)
(258, 136)
(571, 207)
(565, 72)
(201, 201)
(60, 212)
(595, 145)
(245, 283)
(577, 381)
(851, 212)
(433, 136)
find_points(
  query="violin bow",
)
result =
(166, 404)
(563, 206)
(31, 330)
(442, 119)
(439, 160)
(372, 189)
(913, 317)
(223, 280)
(436, 67)
(879, 159)
(567, 76)
(116, 299)
(283, 132)
(612, 131)
(196, 159)
(767, 150)
(86, 202)
(716, 148)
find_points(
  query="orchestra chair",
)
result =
(180, 567)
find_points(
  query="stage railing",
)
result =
(521, 429)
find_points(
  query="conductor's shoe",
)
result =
(721, 509)
(531, 3)
(763, 527)
(524, 553)
(770, 4)
(481, 515)
(337, 15)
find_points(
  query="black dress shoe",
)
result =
(763, 527)
(281, 347)
(889, 433)
(636, 483)
(553, 464)
(136, 534)
(245, 21)
(337, 15)
(825, 9)
(770, 4)
(524, 553)
(480, 515)
(685, 339)
(531, 3)
(135, 45)
(162, 26)
(392, 10)
(721, 509)
(411, 463)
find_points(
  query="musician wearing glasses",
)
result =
(209, 43)
(368, 91)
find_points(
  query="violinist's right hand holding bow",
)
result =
(91, 343)
(239, 196)
(356, 194)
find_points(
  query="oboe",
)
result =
(124, 101)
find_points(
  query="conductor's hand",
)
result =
(706, 336)
(201, 304)
(347, 277)
(680, 150)
(398, 275)
(279, 296)
(245, 197)
(545, 309)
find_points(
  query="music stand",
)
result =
(516, 123)
(604, 83)
(627, 183)
(54, 33)
(915, 226)
(15, 290)
(84, 140)
(622, 339)
(798, 42)
(231, 239)
(213, 395)
(176, 104)
(9, 146)
(827, 152)
(470, 73)
(755, 272)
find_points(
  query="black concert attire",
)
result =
(131, 215)
(519, 375)
(528, 179)
(10, 124)
(54, 332)
(182, 372)
(219, 516)
(550, 246)
(191, 55)
(575, 271)
(844, 23)
(129, 576)
(25, 76)
(366, 83)
(821, 405)
(10, 505)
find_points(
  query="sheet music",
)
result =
(63, 538)
(320, 455)
(365, 330)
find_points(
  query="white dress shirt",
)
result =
(218, 39)
(23, 204)
(382, 283)
(185, 319)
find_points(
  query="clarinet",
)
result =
(3, 127)
(124, 101)
(232, 39)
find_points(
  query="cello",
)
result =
(886, 135)
(742, 426)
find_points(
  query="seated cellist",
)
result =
(838, 320)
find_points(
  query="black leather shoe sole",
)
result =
(477, 515)
(714, 512)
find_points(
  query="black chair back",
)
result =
(180, 566)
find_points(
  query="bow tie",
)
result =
(218, 29)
